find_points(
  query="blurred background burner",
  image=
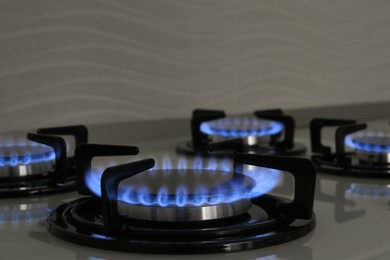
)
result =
(131, 207)
(265, 132)
(371, 147)
(358, 152)
(251, 130)
(28, 159)
(38, 163)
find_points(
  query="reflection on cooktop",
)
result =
(84, 253)
(349, 192)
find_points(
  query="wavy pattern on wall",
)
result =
(118, 60)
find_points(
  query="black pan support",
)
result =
(110, 181)
(84, 154)
(47, 136)
(199, 139)
(345, 127)
(288, 123)
(302, 169)
(79, 132)
(304, 174)
(58, 144)
(235, 145)
(316, 126)
(341, 133)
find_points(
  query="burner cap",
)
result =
(25, 160)
(371, 147)
(253, 130)
(185, 195)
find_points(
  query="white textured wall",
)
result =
(117, 60)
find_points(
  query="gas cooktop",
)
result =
(351, 212)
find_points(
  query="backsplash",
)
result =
(94, 61)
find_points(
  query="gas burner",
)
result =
(39, 164)
(252, 130)
(25, 159)
(139, 209)
(370, 155)
(260, 133)
(185, 195)
(371, 147)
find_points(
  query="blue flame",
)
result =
(162, 197)
(182, 164)
(13, 153)
(354, 141)
(265, 180)
(97, 258)
(241, 127)
(144, 197)
(167, 164)
(101, 237)
(92, 179)
(198, 163)
(225, 165)
(181, 196)
(200, 196)
(212, 164)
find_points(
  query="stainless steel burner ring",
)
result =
(186, 213)
(372, 148)
(373, 157)
(23, 170)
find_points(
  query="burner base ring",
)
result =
(83, 226)
(249, 141)
(26, 170)
(368, 157)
